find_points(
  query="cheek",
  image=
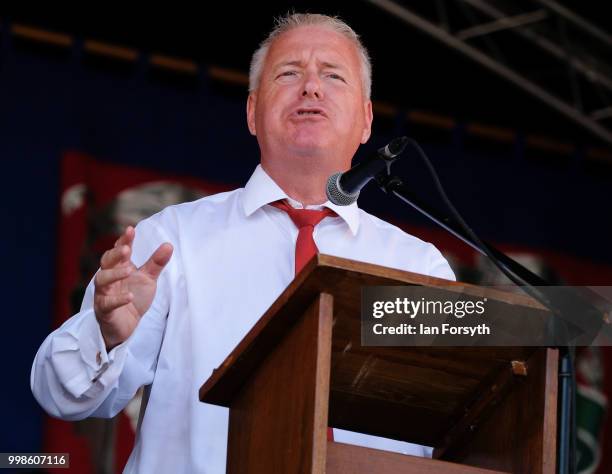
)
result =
(351, 115)
(271, 110)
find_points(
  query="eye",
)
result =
(333, 75)
(287, 74)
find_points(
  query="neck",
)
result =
(305, 186)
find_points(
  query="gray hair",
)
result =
(295, 20)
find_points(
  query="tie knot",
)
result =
(303, 217)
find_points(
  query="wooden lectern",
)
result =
(302, 368)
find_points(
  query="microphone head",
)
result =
(336, 195)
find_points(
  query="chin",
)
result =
(309, 149)
(309, 145)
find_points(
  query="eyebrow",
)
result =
(333, 65)
(299, 64)
(288, 63)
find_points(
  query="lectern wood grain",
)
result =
(293, 381)
(347, 459)
(279, 383)
(520, 435)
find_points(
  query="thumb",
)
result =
(156, 263)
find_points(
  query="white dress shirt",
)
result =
(233, 256)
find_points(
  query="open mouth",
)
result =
(310, 112)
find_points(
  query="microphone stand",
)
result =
(531, 284)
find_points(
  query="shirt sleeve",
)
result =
(74, 377)
(439, 266)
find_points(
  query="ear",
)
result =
(369, 116)
(250, 110)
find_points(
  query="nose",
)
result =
(311, 87)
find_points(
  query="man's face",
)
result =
(310, 101)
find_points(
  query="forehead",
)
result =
(320, 42)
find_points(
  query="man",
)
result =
(175, 296)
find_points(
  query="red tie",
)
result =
(305, 247)
(305, 220)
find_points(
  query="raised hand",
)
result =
(123, 293)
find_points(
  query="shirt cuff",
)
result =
(80, 359)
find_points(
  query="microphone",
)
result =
(343, 188)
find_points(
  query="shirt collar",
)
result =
(261, 190)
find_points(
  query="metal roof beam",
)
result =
(577, 20)
(587, 70)
(498, 68)
(504, 23)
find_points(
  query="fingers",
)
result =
(106, 277)
(121, 251)
(127, 238)
(107, 303)
(115, 256)
(158, 260)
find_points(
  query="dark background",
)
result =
(58, 98)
